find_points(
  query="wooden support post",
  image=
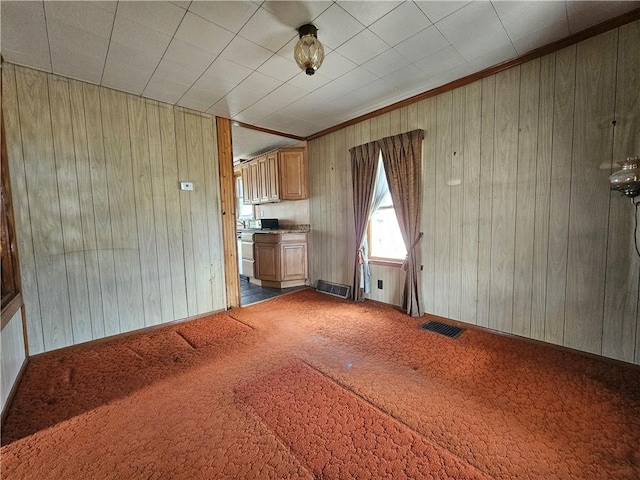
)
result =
(228, 205)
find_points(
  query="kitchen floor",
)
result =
(250, 293)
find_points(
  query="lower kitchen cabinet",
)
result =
(281, 259)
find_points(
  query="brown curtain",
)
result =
(402, 158)
(364, 162)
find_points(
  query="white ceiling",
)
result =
(235, 58)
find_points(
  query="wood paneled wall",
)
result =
(108, 243)
(522, 234)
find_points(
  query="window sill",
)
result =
(386, 262)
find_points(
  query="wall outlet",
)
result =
(186, 186)
(379, 284)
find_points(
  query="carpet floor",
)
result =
(310, 386)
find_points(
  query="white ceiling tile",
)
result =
(24, 34)
(108, 5)
(400, 23)
(363, 47)
(368, 12)
(125, 55)
(474, 19)
(309, 82)
(80, 67)
(203, 34)
(182, 3)
(330, 91)
(586, 14)
(493, 57)
(145, 39)
(176, 72)
(280, 68)
(543, 36)
(164, 90)
(408, 77)
(223, 70)
(296, 13)
(186, 54)
(193, 105)
(439, 61)
(65, 39)
(261, 83)
(160, 16)
(478, 45)
(86, 16)
(268, 31)
(386, 63)
(356, 78)
(437, 10)
(282, 96)
(125, 78)
(253, 114)
(201, 96)
(246, 53)
(422, 44)
(529, 17)
(215, 88)
(335, 65)
(230, 15)
(336, 26)
(220, 109)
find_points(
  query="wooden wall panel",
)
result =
(99, 214)
(532, 241)
(621, 336)
(525, 201)
(21, 208)
(592, 145)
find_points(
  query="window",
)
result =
(384, 236)
(243, 212)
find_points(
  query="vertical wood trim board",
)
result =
(522, 234)
(108, 242)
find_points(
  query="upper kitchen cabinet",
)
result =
(275, 176)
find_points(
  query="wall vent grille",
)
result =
(335, 289)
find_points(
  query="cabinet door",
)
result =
(246, 185)
(263, 180)
(267, 258)
(253, 182)
(273, 192)
(293, 175)
(293, 261)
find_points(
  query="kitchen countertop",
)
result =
(280, 230)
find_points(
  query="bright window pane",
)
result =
(385, 239)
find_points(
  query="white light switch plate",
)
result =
(186, 186)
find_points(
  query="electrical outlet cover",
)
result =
(186, 186)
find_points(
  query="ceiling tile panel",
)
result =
(125, 55)
(543, 36)
(336, 26)
(145, 39)
(230, 15)
(296, 13)
(476, 18)
(478, 45)
(422, 44)
(160, 16)
(176, 72)
(309, 83)
(363, 47)
(586, 14)
(223, 70)
(246, 53)
(493, 57)
(203, 34)
(335, 65)
(268, 31)
(400, 23)
(66, 40)
(529, 17)
(24, 34)
(165, 90)
(368, 12)
(183, 53)
(356, 78)
(280, 68)
(193, 105)
(214, 87)
(437, 10)
(201, 96)
(89, 17)
(439, 61)
(386, 63)
(126, 79)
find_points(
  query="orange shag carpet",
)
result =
(310, 386)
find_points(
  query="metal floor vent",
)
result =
(335, 289)
(442, 329)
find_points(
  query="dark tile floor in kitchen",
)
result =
(250, 293)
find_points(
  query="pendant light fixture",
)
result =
(627, 180)
(309, 52)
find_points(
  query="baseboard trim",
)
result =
(97, 341)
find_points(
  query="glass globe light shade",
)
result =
(627, 180)
(309, 52)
